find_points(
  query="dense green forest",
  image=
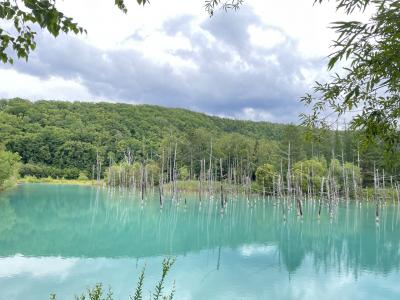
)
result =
(68, 139)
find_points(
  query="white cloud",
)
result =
(250, 250)
(36, 266)
(266, 38)
(15, 84)
(249, 113)
(253, 64)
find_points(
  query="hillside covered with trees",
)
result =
(69, 139)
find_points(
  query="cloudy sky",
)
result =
(252, 64)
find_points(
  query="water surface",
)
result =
(63, 239)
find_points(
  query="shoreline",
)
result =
(58, 181)
(365, 194)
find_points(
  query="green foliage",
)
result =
(139, 287)
(97, 292)
(369, 85)
(184, 173)
(43, 171)
(50, 180)
(265, 176)
(336, 169)
(83, 176)
(23, 16)
(122, 174)
(9, 166)
(309, 173)
(212, 5)
(63, 139)
(166, 266)
(347, 174)
(153, 171)
(65, 135)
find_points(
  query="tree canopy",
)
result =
(64, 139)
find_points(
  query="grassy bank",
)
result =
(49, 180)
(192, 186)
(383, 194)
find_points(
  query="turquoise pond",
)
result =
(63, 239)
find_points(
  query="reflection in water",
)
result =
(79, 234)
(7, 216)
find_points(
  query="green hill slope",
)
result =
(69, 135)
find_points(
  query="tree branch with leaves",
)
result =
(369, 84)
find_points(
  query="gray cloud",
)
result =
(231, 74)
(231, 28)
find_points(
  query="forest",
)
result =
(82, 140)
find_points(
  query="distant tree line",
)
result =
(65, 139)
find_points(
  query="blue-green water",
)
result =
(64, 239)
